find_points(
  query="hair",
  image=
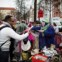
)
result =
(6, 19)
(54, 24)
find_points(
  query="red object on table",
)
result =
(39, 60)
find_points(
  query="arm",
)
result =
(11, 33)
(36, 28)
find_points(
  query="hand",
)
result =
(29, 28)
(41, 30)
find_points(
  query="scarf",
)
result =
(44, 28)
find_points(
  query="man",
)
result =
(12, 25)
(5, 34)
(22, 26)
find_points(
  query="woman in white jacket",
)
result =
(5, 35)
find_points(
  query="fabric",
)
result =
(39, 58)
(25, 55)
(45, 27)
(31, 37)
(21, 27)
(8, 33)
(48, 37)
(4, 56)
(25, 47)
(50, 52)
(12, 48)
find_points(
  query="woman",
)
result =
(5, 34)
(46, 34)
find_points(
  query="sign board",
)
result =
(40, 13)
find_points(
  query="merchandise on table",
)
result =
(39, 58)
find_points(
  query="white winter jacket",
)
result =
(7, 33)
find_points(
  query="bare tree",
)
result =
(20, 8)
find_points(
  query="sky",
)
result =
(7, 3)
(11, 3)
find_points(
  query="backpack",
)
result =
(6, 40)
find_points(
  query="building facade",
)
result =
(6, 10)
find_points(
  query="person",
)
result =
(21, 27)
(12, 25)
(55, 28)
(46, 34)
(5, 34)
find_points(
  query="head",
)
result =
(43, 23)
(23, 21)
(54, 24)
(10, 19)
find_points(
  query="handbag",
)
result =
(25, 47)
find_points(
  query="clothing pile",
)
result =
(50, 52)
